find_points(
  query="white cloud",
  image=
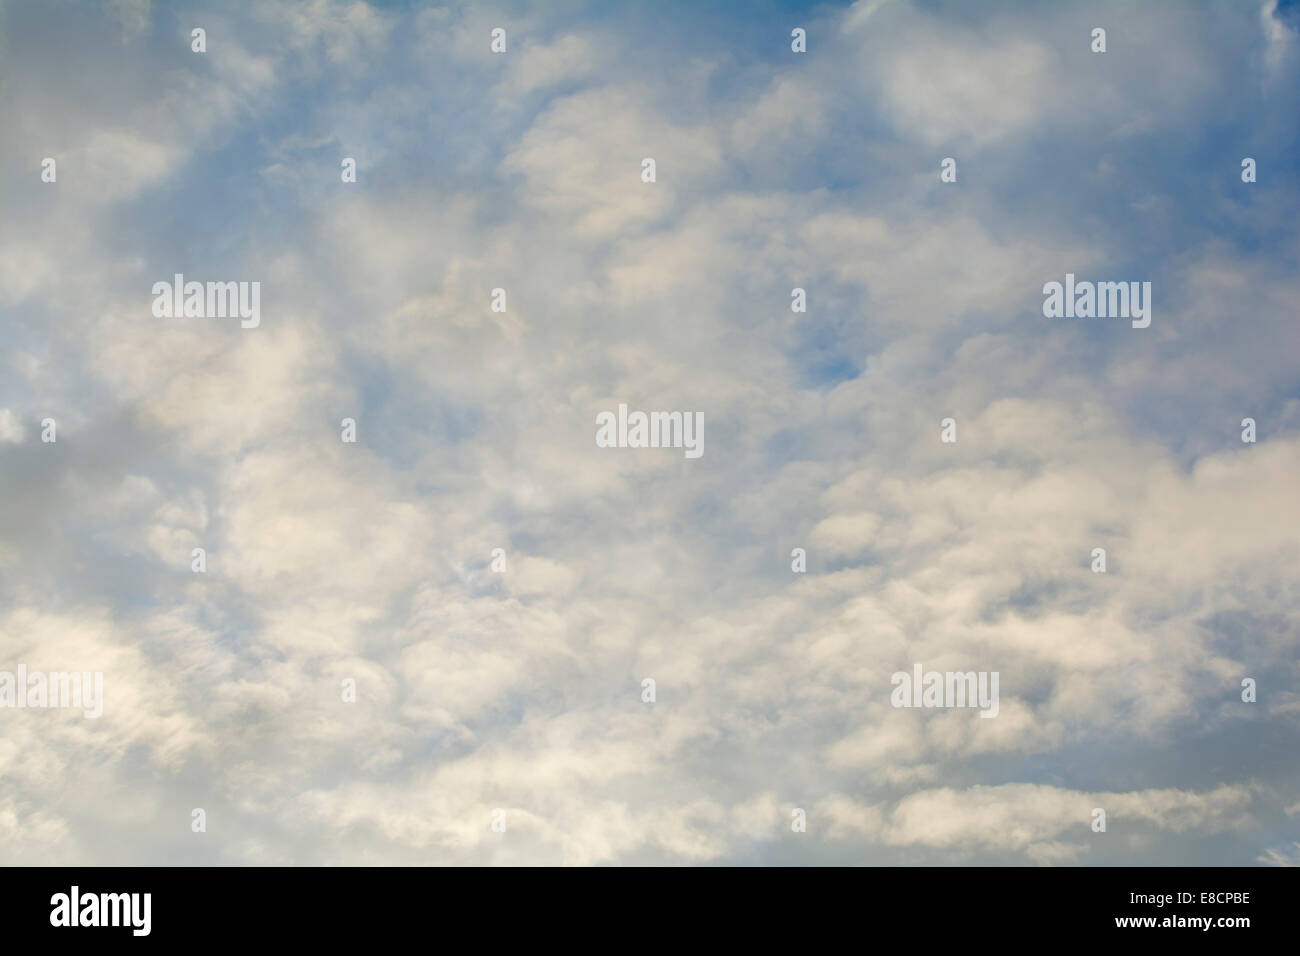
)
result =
(370, 561)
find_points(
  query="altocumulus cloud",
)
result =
(518, 687)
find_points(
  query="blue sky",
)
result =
(371, 561)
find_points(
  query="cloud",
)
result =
(333, 565)
(1013, 817)
(11, 427)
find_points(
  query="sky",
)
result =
(500, 713)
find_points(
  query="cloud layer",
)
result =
(522, 690)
